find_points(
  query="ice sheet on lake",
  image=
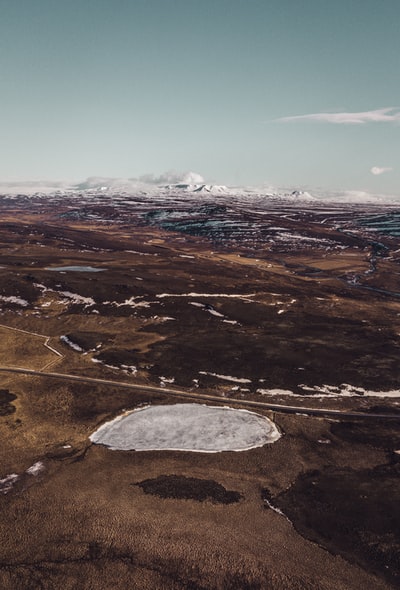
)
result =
(187, 427)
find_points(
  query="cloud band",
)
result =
(386, 115)
(377, 170)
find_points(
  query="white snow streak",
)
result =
(14, 299)
(69, 342)
(226, 377)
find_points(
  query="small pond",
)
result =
(74, 269)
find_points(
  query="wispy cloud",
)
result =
(386, 115)
(377, 170)
(173, 177)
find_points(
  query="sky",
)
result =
(243, 92)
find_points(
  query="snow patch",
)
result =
(274, 391)
(128, 369)
(79, 299)
(275, 509)
(208, 308)
(35, 469)
(322, 391)
(166, 380)
(226, 377)
(7, 483)
(216, 295)
(346, 390)
(69, 342)
(14, 299)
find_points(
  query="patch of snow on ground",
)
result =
(128, 369)
(346, 390)
(69, 342)
(43, 288)
(79, 299)
(207, 308)
(140, 253)
(35, 469)
(321, 391)
(215, 313)
(274, 392)
(187, 427)
(228, 295)
(165, 380)
(277, 510)
(7, 483)
(226, 377)
(14, 299)
(293, 236)
(131, 302)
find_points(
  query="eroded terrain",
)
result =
(286, 303)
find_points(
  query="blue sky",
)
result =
(124, 88)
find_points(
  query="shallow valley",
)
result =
(288, 303)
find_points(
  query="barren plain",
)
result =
(146, 301)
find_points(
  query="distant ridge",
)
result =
(302, 196)
(214, 189)
(183, 185)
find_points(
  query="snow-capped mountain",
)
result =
(213, 189)
(182, 185)
(301, 196)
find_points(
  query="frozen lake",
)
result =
(187, 427)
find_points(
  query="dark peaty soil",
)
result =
(6, 407)
(188, 488)
(352, 513)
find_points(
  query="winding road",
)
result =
(203, 396)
